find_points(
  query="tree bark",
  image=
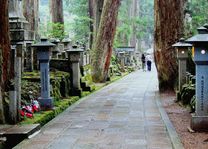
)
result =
(98, 8)
(92, 17)
(168, 29)
(31, 13)
(133, 10)
(4, 53)
(56, 11)
(102, 48)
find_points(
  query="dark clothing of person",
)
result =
(143, 62)
(149, 63)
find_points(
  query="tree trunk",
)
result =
(98, 8)
(133, 10)
(31, 13)
(56, 11)
(168, 29)
(4, 53)
(102, 48)
(92, 17)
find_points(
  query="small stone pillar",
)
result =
(56, 49)
(182, 55)
(122, 59)
(199, 120)
(82, 55)
(29, 57)
(74, 59)
(12, 92)
(44, 49)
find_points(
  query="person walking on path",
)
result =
(143, 62)
(149, 62)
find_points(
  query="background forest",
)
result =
(135, 21)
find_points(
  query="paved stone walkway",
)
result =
(123, 115)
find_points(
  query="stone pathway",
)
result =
(123, 115)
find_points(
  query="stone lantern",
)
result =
(182, 55)
(200, 56)
(67, 46)
(56, 49)
(122, 59)
(44, 50)
(74, 59)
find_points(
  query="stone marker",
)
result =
(74, 58)
(122, 59)
(29, 57)
(182, 55)
(200, 52)
(44, 49)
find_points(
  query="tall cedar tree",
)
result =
(169, 15)
(4, 53)
(31, 13)
(102, 47)
(56, 11)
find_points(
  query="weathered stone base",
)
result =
(46, 103)
(199, 123)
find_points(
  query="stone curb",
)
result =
(176, 142)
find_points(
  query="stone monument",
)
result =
(200, 55)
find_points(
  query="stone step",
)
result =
(14, 134)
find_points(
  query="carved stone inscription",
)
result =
(202, 94)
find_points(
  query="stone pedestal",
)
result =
(46, 101)
(74, 59)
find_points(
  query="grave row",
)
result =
(199, 49)
(26, 56)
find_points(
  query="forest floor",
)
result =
(180, 117)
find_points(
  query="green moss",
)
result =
(60, 105)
